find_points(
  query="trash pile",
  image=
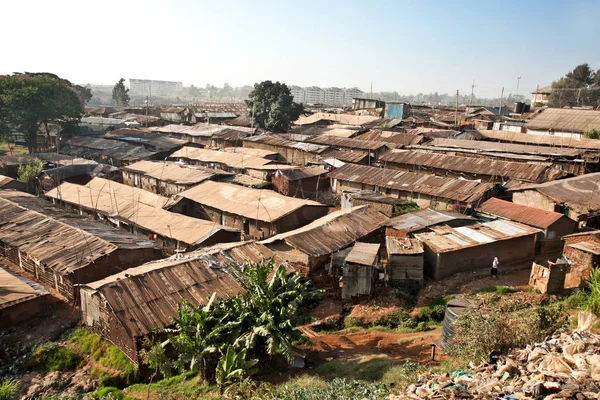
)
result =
(566, 366)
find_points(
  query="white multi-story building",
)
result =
(147, 87)
(331, 96)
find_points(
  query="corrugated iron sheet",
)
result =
(472, 165)
(256, 204)
(565, 120)
(446, 188)
(444, 238)
(233, 160)
(172, 172)
(506, 147)
(364, 254)
(333, 232)
(421, 219)
(278, 140)
(520, 213)
(146, 297)
(93, 147)
(341, 142)
(350, 156)
(397, 138)
(402, 246)
(302, 173)
(544, 140)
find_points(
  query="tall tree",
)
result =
(31, 101)
(85, 93)
(120, 93)
(576, 88)
(272, 106)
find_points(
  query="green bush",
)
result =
(394, 319)
(336, 389)
(497, 290)
(9, 389)
(591, 134)
(110, 393)
(53, 357)
(351, 322)
(577, 300)
(402, 375)
(593, 302)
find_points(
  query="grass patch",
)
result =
(496, 289)
(187, 385)
(317, 389)
(351, 322)
(9, 148)
(368, 368)
(111, 393)
(9, 389)
(400, 376)
(53, 357)
(105, 353)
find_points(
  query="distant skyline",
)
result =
(403, 46)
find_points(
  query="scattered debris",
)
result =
(565, 366)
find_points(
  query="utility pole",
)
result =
(471, 97)
(501, 98)
(371, 90)
(147, 105)
(252, 123)
(456, 110)
(518, 80)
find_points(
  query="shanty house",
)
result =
(112, 152)
(294, 152)
(425, 190)
(406, 225)
(404, 259)
(312, 246)
(382, 203)
(126, 307)
(10, 183)
(576, 197)
(485, 169)
(142, 213)
(564, 122)
(166, 178)
(20, 298)
(304, 183)
(59, 254)
(372, 148)
(259, 214)
(552, 225)
(360, 270)
(471, 248)
(582, 250)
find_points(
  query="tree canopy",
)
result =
(120, 93)
(272, 106)
(31, 100)
(579, 87)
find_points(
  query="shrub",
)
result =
(402, 375)
(400, 209)
(393, 319)
(577, 300)
(351, 322)
(496, 289)
(591, 134)
(478, 334)
(53, 357)
(110, 393)
(593, 301)
(319, 390)
(9, 389)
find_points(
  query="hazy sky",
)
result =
(407, 46)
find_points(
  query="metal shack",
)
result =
(304, 183)
(473, 247)
(360, 270)
(454, 309)
(404, 259)
(20, 298)
(126, 307)
(582, 250)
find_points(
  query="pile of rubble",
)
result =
(566, 366)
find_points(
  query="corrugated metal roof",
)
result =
(278, 140)
(152, 139)
(221, 115)
(93, 147)
(472, 165)
(17, 289)
(350, 156)
(346, 119)
(233, 160)
(505, 147)
(347, 143)
(256, 204)
(444, 238)
(566, 120)
(580, 193)
(520, 213)
(261, 153)
(421, 219)
(398, 138)
(588, 247)
(301, 173)
(5, 180)
(59, 246)
(544, 140)
(447, 188)
(364, 254)
(172, 172)
(404, 246)
(333, 232)
(198, 130)
(117, 201)
(146, 297)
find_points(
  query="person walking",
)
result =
(495, 267)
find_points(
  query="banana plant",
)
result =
(233, 367)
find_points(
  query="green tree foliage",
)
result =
(591, 134)
(593, 302)
(258, 323)
(120, 94)
(233, 367)
(84, 93)
(272, 106)
(581, 86)
(28, 172)
(30, 101)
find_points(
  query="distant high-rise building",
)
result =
(331, 96)
(148, 87)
